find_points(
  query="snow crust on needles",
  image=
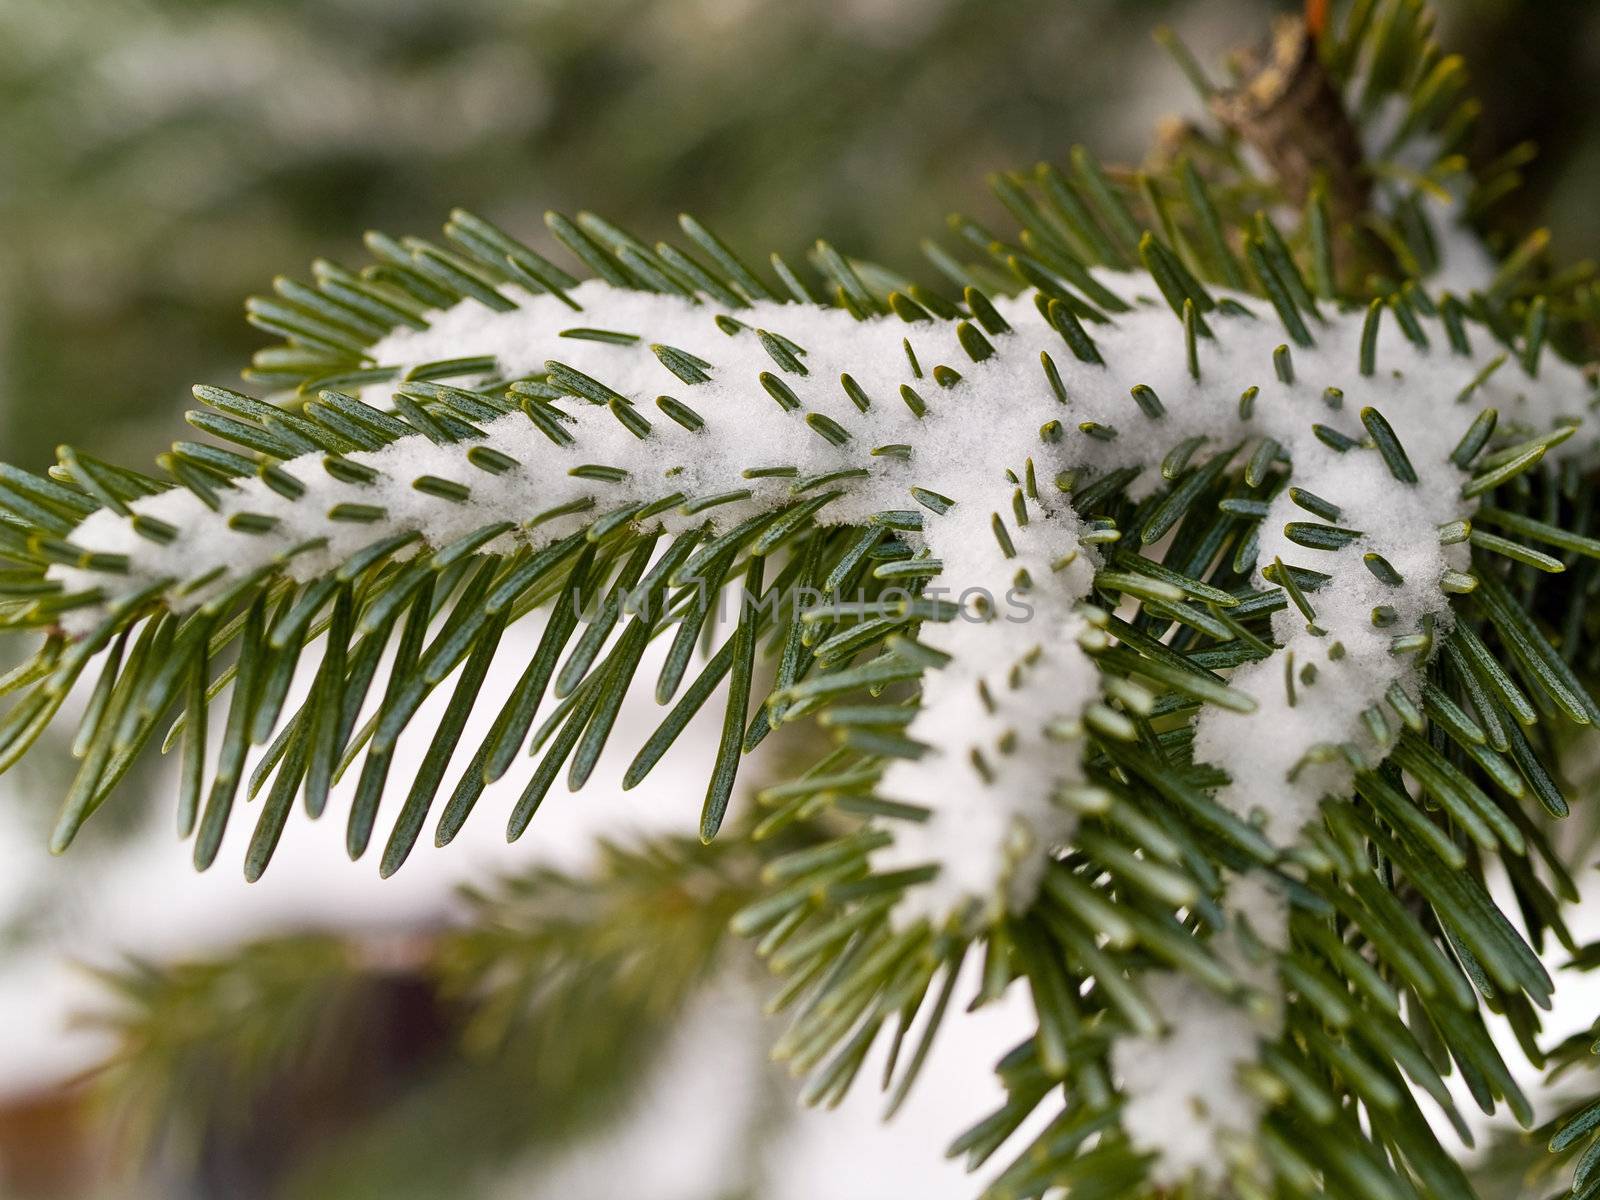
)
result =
(991, 828)
(971, 435)
(1185, 1099)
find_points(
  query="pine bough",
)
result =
(1175, 602)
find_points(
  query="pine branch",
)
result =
(1178, 616)
(196, 1043)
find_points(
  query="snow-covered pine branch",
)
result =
(970, 442)
(799, 409)
(1148, 613)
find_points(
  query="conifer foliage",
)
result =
(1194, 584)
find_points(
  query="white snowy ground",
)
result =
(688, 1135)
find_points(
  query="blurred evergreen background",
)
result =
(162, 159)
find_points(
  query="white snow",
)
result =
(1185, 1100)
